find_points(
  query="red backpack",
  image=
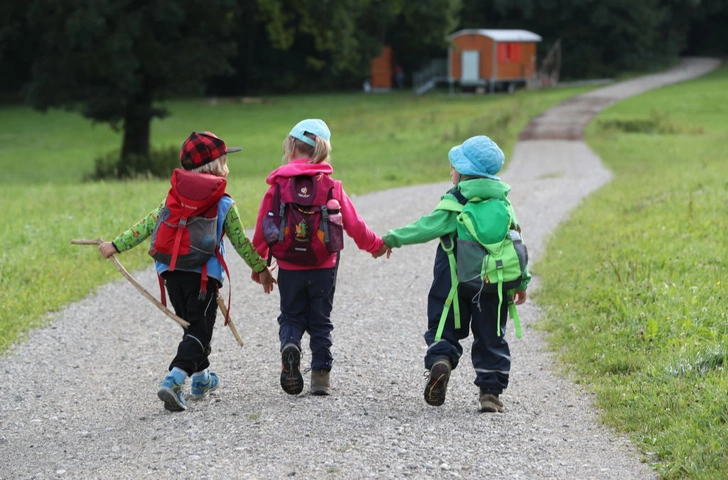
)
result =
(185, 235)
(297, 227)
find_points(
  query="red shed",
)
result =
(381, 70)
(492, 58)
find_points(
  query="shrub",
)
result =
(160, 164)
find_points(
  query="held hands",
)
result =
(265, 278)
(382, 251)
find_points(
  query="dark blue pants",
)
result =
(307, 298)
(184, 289)
(490, 354)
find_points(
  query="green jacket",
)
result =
(444, 222)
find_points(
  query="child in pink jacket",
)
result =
(307, 291)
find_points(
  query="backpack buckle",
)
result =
(447, 243)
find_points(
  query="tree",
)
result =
(421, 30)
(16, 47)
(116, 61)
(322, 44)
(331, 44)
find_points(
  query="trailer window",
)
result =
(509, 52)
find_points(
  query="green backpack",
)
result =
(491, 256)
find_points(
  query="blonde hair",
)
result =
(217, 167)
(295, 148)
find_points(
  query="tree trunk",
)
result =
(136, 138)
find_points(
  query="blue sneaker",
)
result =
(170, 392)
(203, 384)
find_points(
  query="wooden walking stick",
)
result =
(223, 310)
(136, 284)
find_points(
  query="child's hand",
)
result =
(519, 297)
(107, 249)
(266, 278)
(382, 251)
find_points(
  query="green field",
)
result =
(635, 284)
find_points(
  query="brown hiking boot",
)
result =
(291, 379)
(489, 402)
(436, 387)
(320, 382)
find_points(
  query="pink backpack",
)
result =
(297, 227)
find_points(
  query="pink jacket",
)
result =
(354, 225)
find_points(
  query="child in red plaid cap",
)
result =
(203, 155)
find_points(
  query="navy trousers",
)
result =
(184, 289)
(307, 298)
(490, 354)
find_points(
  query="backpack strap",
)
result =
(162, 290)
(499, 272)
(447, 242)
(281, 211)
(513, 312)
(204, 277)
(455, 192)
(227, 272)
(450, 205)
(325, 217)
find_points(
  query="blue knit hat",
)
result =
(315, 126)
(478, 156)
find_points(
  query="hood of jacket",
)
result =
(484, 188)
(299, 166)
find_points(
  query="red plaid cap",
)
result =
(201, 148)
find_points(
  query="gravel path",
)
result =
(79, 397)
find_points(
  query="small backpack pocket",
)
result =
(470, 256)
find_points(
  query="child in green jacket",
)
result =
(475, 164)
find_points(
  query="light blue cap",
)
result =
(478, 156)
(315, 126)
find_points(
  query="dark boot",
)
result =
(436, 387)
(291, 379)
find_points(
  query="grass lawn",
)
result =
(644, 324)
